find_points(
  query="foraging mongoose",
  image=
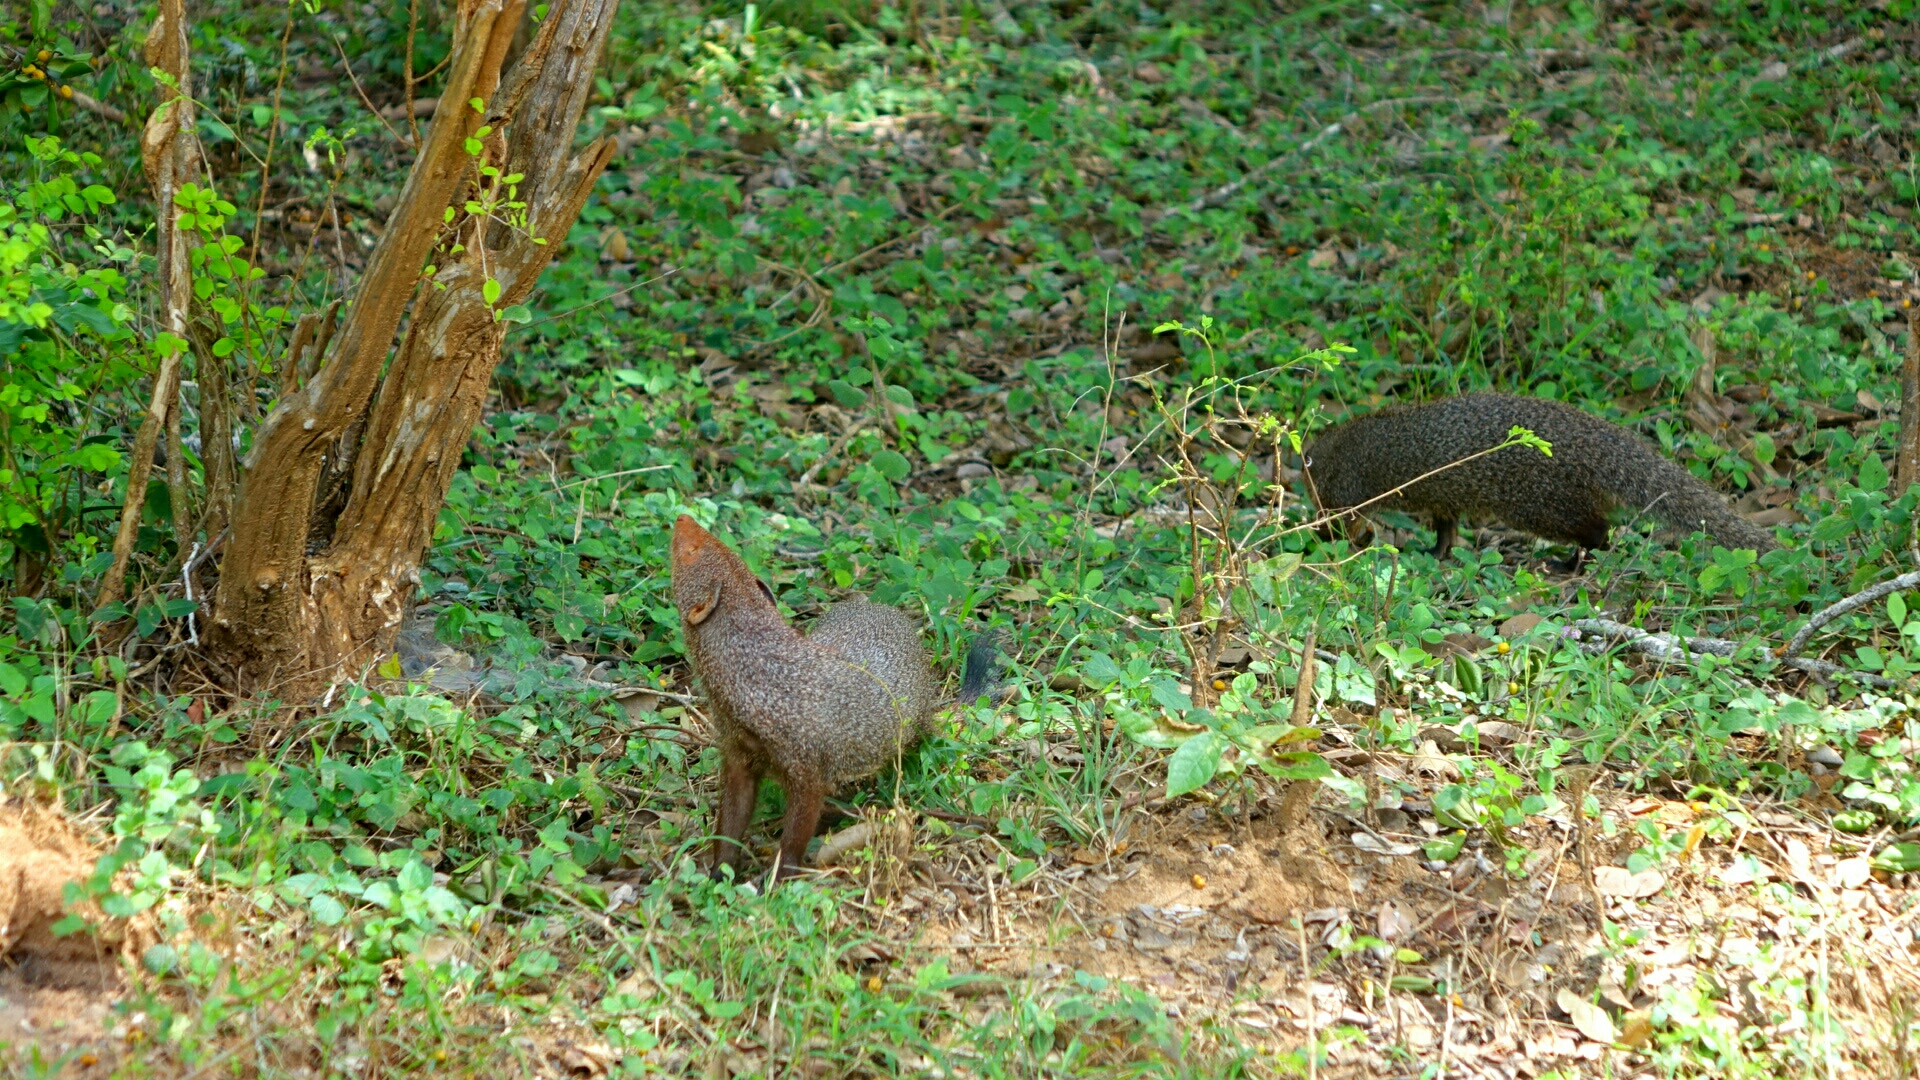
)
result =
(1595, 467)
(819, 710)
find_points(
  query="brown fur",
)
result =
(817, 711)
(1595, 467)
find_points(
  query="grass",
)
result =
(880, 248)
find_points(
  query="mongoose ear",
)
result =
(698, 613)
(766, 591)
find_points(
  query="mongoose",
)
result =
(819, 710)
(1594, 468)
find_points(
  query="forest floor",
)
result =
(874, 294)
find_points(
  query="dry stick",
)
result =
(173, 149)
(217, 463)
(347, 65)
(273, 133)
(1906, 461)
(1303, 689)
(95, 105)
(1672, 650)
(177, 474)
(408, 81)
(1221, 194)
(813, 470)
(1858, 600)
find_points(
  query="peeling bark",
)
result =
(307, 598)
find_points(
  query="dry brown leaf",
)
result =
(1618, 881)
(1395, 921)
(1852, 873)
(1591, 1019)
(1431, 762)
(1637, 1029)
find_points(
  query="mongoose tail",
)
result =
(1642, 480)
(980, 675)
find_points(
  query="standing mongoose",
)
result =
(819, 710)
(1594, 468)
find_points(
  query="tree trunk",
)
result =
(316, 580)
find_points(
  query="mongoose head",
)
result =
(708, 575)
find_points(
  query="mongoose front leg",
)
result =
(1444, 531)
(804, 801)
(739, 786)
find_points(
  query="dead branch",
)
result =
(1852, 603)
(170, 153)
(1669, 649)
(1906, 461)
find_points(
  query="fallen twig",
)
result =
(1666, 647)
(1856, 601)
(813, 470)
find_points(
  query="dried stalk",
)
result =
(170, 153)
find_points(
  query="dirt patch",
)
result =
(56, 992)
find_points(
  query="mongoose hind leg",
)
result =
(805, 797)
(740, 772)
(1445, 529)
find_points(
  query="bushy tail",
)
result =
(1646, 482)
(980, 675)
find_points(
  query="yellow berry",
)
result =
(45, 55)
(874, 984)
(1199, 882)
(1219, 684)
(1811, 275)
(1513, 688)
(1502, 648)
(66, 91)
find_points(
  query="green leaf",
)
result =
(1446, 848)
(1897, 609)
(1898, 858)
(1295, 765)
(845, 393)
(1194, 763)
(490, 291)
(891, 464)
(327, 910)
(415, 876)
(899, 395)
(1099, 669)
(1873, 473)
(1168, 695)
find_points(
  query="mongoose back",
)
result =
(1595, 468)
(817, 711)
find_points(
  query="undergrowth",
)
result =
(871, 292)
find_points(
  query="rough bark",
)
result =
(307, 598)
